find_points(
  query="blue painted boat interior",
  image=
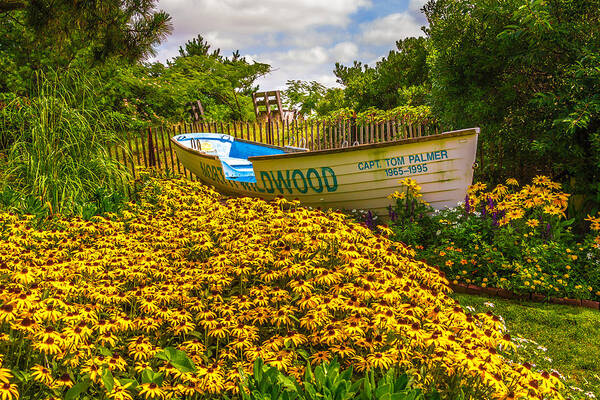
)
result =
(232, 153)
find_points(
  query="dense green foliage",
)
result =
(37, 35)
(160, 93)
(112, 56)
(56, 147)
(527, 73)
(401, 78)
(305, 97)
(328, 382)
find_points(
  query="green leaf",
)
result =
(150, 376)
(104, 351)
(401, 382)
(367, 392)
(275, 392)
(22, 376)
(356, 385)
(308, 373)
(303, 354)
(177, 359)
(310, 389)
(128, 383)
(347, 374)
(383, 389)
(340, 392)
(77, 389)
(257, 369)
(434, 396)
(108, 379)
(319, 376)
(287, 382)
(158, 378)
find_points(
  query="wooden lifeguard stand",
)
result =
(267, 105)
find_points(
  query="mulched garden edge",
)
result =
(507, 294)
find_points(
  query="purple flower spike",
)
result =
(467, 204)
(495, 218)
(369, 220)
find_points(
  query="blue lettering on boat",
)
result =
(281, 182)
(312, 179)
(270, 189)
(425, 157)
(211, 172)
(368, 165)
(394, 161)
(304, 188)
(296, 181)
(333, 186)
(246, 185)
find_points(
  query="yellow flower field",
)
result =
(227, 281)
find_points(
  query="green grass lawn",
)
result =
(571, 336)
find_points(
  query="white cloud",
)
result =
(239, 23)
(315, 63)
(344, 52)
(314, 55)
(217, 40)
(416, 5)
(389, 29)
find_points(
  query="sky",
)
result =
(300, 39)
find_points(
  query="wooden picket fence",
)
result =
(153, 149)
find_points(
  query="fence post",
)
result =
(171, 153)
(353, 134)
(151, 158)
(268, 129)
(164, 148)
(156, 147)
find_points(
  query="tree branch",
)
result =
(8, 6)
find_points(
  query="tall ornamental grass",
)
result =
(55, 144)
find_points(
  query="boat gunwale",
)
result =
(216, 157)
(443, 135)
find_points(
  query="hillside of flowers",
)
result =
(182, 291)
(510, 236)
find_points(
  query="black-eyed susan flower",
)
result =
(5, 375)
(41, 374)
(119, 392)
(151, 391)
(9, 391)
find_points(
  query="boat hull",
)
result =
(359, 177)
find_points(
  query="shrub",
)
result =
(57, 145)
(328, 383)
